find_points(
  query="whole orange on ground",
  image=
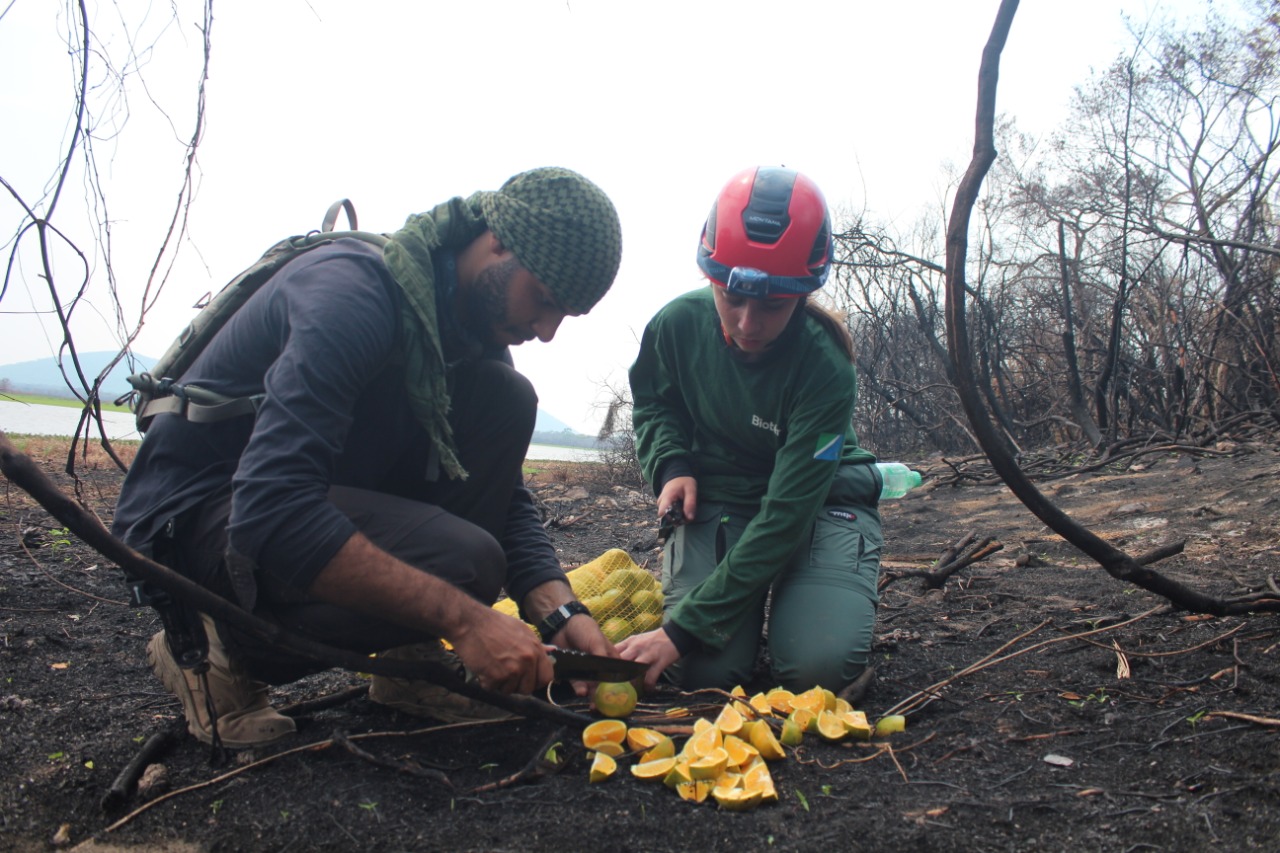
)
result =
(615, 698)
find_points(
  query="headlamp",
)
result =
(758, 284)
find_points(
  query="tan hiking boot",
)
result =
(424, 699)
(245, 717)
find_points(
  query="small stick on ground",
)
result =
(562, 523)
(1248, 718)
(923, 697)
(127, 780)
(948, 563)
(857, 689)
(343, 740)
(548, 759)
(321, 703)
(956, 547)
(1162, 553)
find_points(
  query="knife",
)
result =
(671, 519)
(581, 666)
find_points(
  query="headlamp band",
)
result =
(746, 281)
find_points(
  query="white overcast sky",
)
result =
(400, 105)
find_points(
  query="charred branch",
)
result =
(23, 473)
(994, 443)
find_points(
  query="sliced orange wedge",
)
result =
(602, 767)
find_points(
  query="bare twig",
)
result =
(547, 760)
(947, 564)
(333, 700)
(1164, 552)
(319, 746)
(1176, 653)
(896, 763)
(127, 779)
(880, 749)
(1271, 722)
(928, 694)
(67, 587)
(856, 690)
(412, 768)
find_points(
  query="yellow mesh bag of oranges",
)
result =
(624, 598)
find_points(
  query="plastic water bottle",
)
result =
(898, 479)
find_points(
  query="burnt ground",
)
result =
(1049, 747)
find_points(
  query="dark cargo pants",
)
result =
(453, 534)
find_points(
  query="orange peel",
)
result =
(601, 731)
(710, 766)
(602, 767)
(762, 739)
(656, 769)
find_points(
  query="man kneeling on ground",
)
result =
(374, 502)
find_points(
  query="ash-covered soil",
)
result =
(1052, 706)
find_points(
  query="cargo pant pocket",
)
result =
(823, 612)
(690, 556)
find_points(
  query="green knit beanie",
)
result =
(562, 228)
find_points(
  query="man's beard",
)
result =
(484, 303)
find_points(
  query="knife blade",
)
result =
(671, 519)
(587, 667)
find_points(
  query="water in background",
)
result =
(32, 419)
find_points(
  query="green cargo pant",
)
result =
(822, 610)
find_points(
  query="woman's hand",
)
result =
(681, 492)
(652, 647)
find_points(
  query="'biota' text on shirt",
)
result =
(757, 421)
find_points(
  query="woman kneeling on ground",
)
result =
(744, 394)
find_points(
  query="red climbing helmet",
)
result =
(768, 235)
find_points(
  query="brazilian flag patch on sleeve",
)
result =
(829, 446)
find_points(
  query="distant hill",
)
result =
(546, 423)
(41, 376)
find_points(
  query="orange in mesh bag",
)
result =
(624, 598)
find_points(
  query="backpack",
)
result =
(158, 390)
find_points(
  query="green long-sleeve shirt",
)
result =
(769, 433)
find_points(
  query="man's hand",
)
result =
(503, 654)
(580, 633)
(652, 647)
(499, 650)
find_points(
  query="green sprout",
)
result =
(62, 541)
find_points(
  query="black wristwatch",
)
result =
(551, 626)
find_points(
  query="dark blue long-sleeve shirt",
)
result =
(319, 339)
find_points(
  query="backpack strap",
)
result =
(331, 215)
(164, 396)
(152, 396)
